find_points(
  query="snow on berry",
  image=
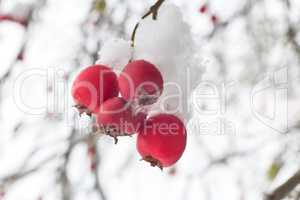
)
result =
(93, 86)
(141, 82)
(162, 141)
(116, 117)
(167, 43)
(115, 53)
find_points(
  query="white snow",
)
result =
(167, 42)
(115, 53)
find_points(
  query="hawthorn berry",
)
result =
(93, 86)
(203, 9)
(162, 140)
(141, 82)
(116, 117)
(214, 19)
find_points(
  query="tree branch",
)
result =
(154, 11)
(10, 179)
(98, 186)
(286, 188)
(27, 25)
(241, 13)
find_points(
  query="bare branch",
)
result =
(243, 12)
(154, 11)
(285, 189)
(63, 178)
(10, 179)
(29, 21)
(98, 186)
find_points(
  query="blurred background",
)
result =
(247, 147)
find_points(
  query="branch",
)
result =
(10, 179)
(98, 186)
(27, 22)
(154, 11)
(63, 177)
(292, 34)
(241, 13)
(285, 189)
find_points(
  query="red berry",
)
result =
(93, 86)
(116, 118)
(141, 81)
(203, 9)
(214, 19)
(162, 141)
(93, 166)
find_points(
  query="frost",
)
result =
(115, 53)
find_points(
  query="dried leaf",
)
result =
(100, 5)
(273, 170)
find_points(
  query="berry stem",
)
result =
(153, 10)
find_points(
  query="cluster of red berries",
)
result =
(118, 102)
(204, 9)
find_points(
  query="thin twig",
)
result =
(241, 13)
(63, 177)
(29, 21)
(154, 11)
(10, 179)
(286, 188)
(98, 185)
